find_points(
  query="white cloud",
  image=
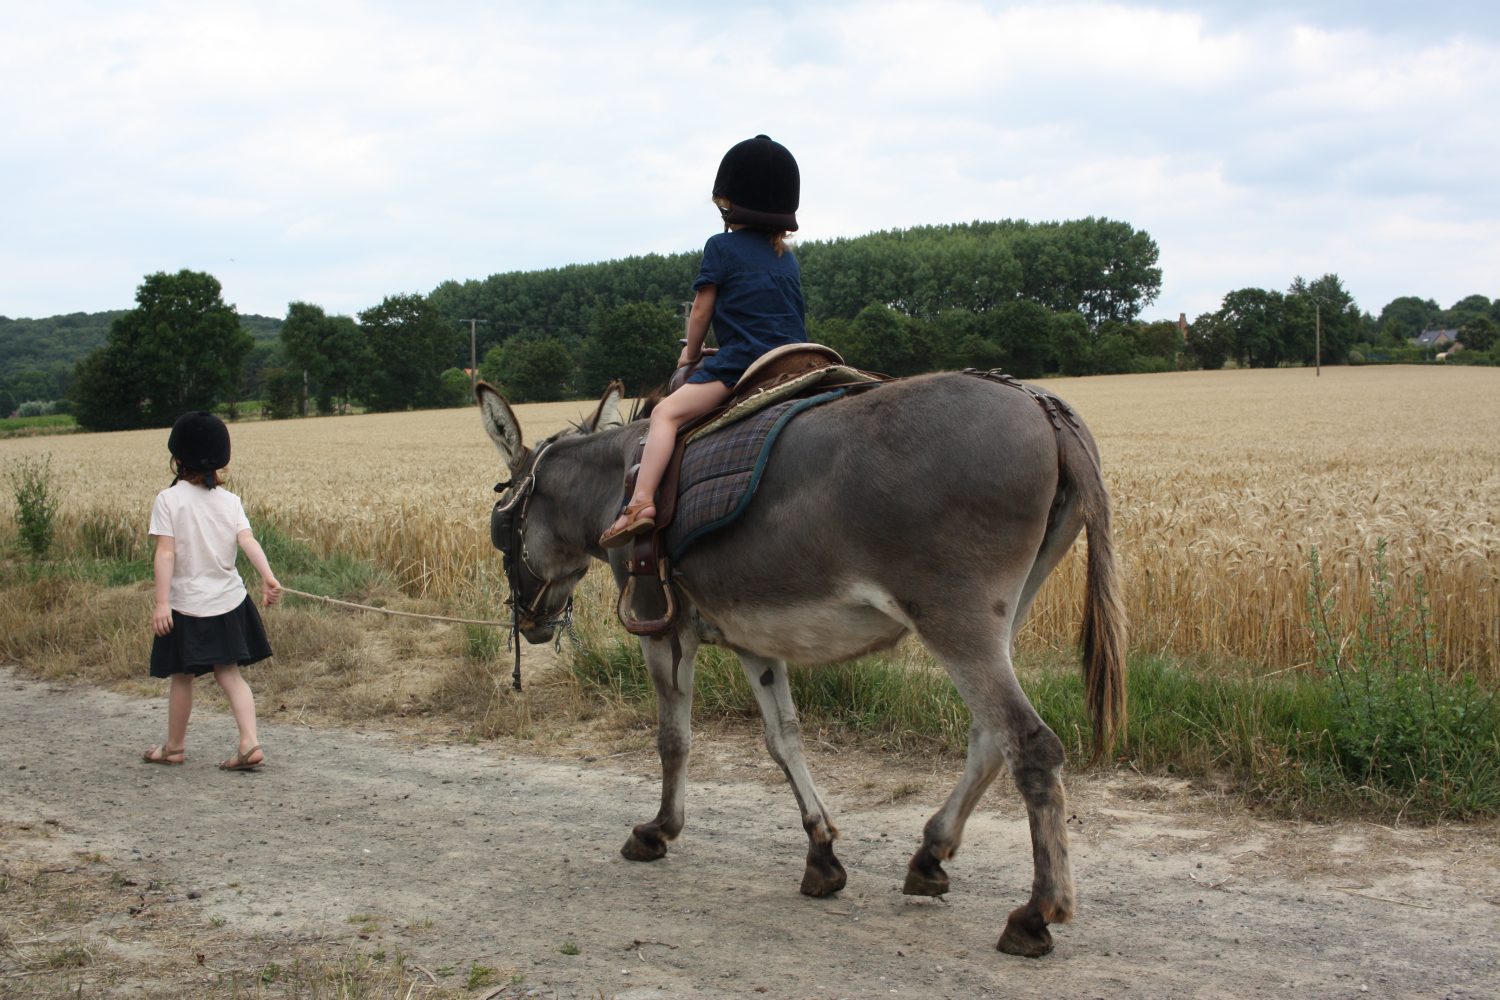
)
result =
(338, 153)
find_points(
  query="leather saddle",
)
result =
(789, 372)
(772, 368)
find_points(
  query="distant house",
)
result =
(1437, 339)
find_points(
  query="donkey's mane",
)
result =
(643, 406)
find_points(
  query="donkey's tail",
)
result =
(1103, 633)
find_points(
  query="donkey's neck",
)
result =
(591, 476)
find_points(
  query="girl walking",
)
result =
(749, 287)
(203, 619)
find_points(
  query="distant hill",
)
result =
(41, 343)
(37, 355)
(38, 343)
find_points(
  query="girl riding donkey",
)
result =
(204, 619)
(749, 287)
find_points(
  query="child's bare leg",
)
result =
(179, 709)
(241, 703)
(690, 401)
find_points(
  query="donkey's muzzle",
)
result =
(538, 634)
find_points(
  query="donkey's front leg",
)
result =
(674, 738)
(824, 875)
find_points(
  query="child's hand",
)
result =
(270, 591)
(688, 356)
(161, 619)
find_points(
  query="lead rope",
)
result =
(513, 639)
(389, 611)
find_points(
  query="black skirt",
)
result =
(197, 645)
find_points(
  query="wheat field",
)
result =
(1224, 484)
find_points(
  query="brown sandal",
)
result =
(636, 523)
(163, 755)
(242, 761)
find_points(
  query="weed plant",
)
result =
(36, 503)
(1397, 725)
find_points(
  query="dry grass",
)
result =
(1224, 483)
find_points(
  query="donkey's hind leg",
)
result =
(674, 738)
(1006, 731)
(824, 875)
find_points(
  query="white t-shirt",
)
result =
(203, 525)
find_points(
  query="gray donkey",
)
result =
(934, 505)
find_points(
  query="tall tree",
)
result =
(301, 342)
(1025, 332)
(1405, 317)
(1256, 316)
(1319, 310)
(409, 345)
(1210, 341)
(329, 351)
(179, 349)
(530, 371)
(882, 339)
(636, 343)
(1465, 310)
(1479, 333)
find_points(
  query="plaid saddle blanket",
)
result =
(721, 470)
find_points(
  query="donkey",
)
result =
(934, 506)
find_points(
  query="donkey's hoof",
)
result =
(824, 876)
(1025, 934)
(925, 876)
(644, 844)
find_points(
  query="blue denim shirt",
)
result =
(759, 302)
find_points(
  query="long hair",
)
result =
(777, 237)
(208, 480)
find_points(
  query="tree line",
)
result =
(1033, 299)
(1318, 321)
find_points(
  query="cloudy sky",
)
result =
(337, 152)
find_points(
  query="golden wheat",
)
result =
(1224, 484)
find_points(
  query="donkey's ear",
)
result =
(499, 423)
(609, 412)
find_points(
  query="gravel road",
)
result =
(480, 854)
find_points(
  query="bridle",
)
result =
(508, 534)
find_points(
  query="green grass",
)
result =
(298, 565)
(56, 423)
(899, 705)
(1369, 729)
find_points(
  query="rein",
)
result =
(508, 533)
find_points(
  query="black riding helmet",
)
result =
(759, 178)
(200, 441)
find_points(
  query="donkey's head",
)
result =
(542, 524)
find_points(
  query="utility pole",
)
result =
(1318, 337)
(473, 356)
(1317, 330)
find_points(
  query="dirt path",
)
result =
(471, 854)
